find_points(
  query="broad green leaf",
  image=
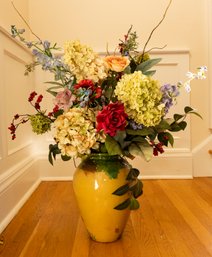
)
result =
(149, 73)
(112, 146)
(133, 174)
(140, 132)
(146, 151)
(65, 157)
(137, 189)
(53, 151)
(163, 125)
(142, 150)
(123, 205)
(127, 70)
(178, 117)
(139, 139)
(134, 204)
(145, 66)
(188, 109)
(165, 138)
(121, 190)
(182, 125)
(135, 150)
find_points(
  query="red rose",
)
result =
(112, 118)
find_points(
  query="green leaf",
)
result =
(188, 109)
(53, 151)
(121, 190)
(127, 70)
(51, 89)
(140, 132)
(145, 66)
(146, 151)
(137, 189)
(182, 125)
(165, 138)
(178, 117)
(112, 146)
(133, 174)
(175, 127)
(123, 205)
(163, 125)
(142, 150)
(65, 157)
(149, 73)
(139, 139)
(197, 114)
(134, 204)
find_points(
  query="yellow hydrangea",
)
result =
(84, 62)
(141, 96)
(75, 132)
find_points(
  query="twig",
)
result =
(164, 15)
(25, 21)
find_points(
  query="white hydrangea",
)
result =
(75, 132)
(83, 62)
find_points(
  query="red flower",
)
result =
(88, 84)
(85, 83)
(112, 118)
(32, 96)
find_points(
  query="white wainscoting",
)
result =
(18, 173)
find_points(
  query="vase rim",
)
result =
(103, 156)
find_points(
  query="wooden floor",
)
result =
(175, 219)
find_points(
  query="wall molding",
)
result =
(210, 57)
(15, 172)
(18, 206)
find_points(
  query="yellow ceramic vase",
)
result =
(95, 181)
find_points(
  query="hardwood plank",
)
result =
(196, 236)
(175, 220)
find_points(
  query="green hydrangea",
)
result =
(141, 96)
(40, 123)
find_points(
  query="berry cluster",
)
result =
(157, 148)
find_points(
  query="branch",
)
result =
(164, 15)
(24, 20)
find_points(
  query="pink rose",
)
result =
(64, 99)
(112, 118)
(116, 63)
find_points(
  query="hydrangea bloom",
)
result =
(76, 133)
(141, 97)
(83, 62)
(40, 123)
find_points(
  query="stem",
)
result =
(25, 21)
(164, 15)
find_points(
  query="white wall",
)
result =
(18, 173)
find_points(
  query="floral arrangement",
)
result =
(104, 104)
(108, 104)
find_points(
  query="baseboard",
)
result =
(17, 184)
(4, 223)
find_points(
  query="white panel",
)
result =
(17, 91)
(171, 70)
(210, 55)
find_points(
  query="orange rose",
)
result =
(116, 63)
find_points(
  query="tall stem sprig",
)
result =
(150, 36)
